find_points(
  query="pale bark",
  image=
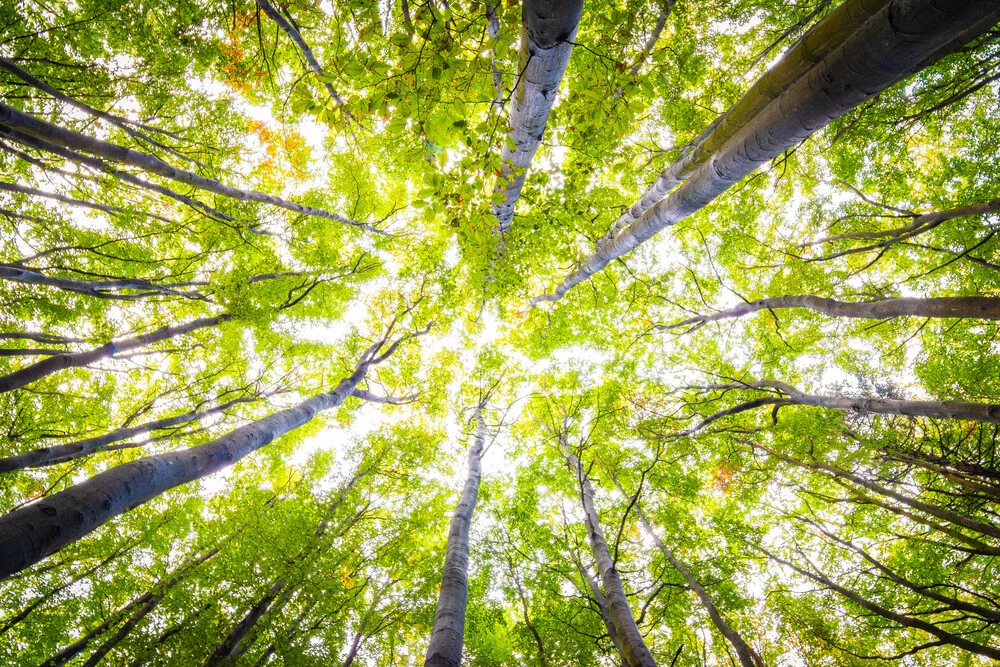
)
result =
(105, 289)
(602, 608)
(447, 635)
(72, 450)
(981, 412)
(647, 48)
(547, 31)
(59, 362)
(906, 621)
(42, 528)
(748, 657)
(33, 126)
(633, 647)
(293, 32)
(805, 54)
(232, 645)
(102, 167)
(976, 307)
(104, 208)
(128, 126)
(885, 49)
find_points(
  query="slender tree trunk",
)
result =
(35, 531)
(926, 591)
(41, 369)
(138, 608)
(73, 450)
(547, 32)
(980, 412)
(748, 657)
(155, 645)
(634, 649)
(445, 647)
(231, 647)
(36, 127)
(352, 652)
(905, 621)
(602, 607)
(35, 192)
(978, 307)
(887, 48)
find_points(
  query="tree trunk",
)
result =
(41, 369)
(633, 647)
(748, 657)
(602, 607)
(887, 48)
(445, 647)
(905, 621)
(40, 529)
(980, 412)
(74, 450)
(231, 647)
(547, 31)
(978, 307)
(36, 127)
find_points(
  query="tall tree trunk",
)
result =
(978, 307)
(35, 531)
(138, 608)
(73, 450)
(980, 412)
(445, 647)
(888, 47)
(633, 647)
(602, 608)
(36, 127)
(906, 621)
(232, 647)
(41, 369)
(548, 28)
(748, 657)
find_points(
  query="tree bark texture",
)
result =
(72, 450)
(888, 47)
(547, 31)
(633, 647)
(978, 307)
(33, 126)
(35, 531)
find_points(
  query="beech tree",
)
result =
(542, 333)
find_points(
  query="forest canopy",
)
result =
(556, 333)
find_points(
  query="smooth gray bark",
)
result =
(447, 635)
(977, 307)
(40, 529)
(98, 288)
(72, 450)
(981, 412)
(748, 657)
(33, 126)
(105, 208)
(547, 31)
(59, 362)
(633, 647)
(802, 56)
(887, 48)
(230, 647)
